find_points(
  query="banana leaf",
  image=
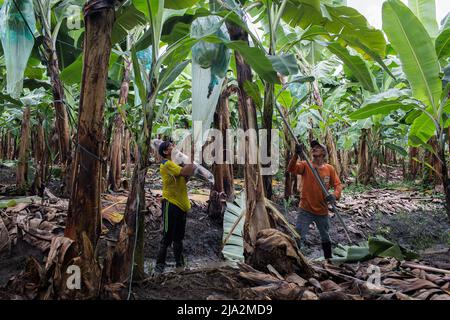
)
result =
(376, 246)
(13, 202)
(233, 224)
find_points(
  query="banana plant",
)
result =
(51, 15)
(429, 104)
(166, 65)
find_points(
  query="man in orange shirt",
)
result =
(313, 204)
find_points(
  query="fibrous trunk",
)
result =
(40, 159)
(267, 125)
(22, 166)
(84, 207)
(430, 174)
(290, 181)
(115, 168)
(61, 116)
(256, 218)
(223, 172)
(365, 161)
(127, 150)
(128, 259)
(414, 165)
(444, 177)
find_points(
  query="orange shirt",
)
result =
(312, 198)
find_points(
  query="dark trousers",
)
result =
(174, 220)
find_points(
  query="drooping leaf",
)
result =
(285, 64)
(352, 25)
(72, 73)
(355, 42)
(396, 148)
(355, 63)
(383, 107)
(171, 73)
(390, 94)
(422, 128)
(178, 31)
(127, 18)
(302, 13)
(8, 98)
(314, 31)
(415, 49)
(256, 59)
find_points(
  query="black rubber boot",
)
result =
(178, 253)
(161, 259)
(326, 246)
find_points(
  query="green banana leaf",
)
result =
(13, 202)
(233, 249)
(416, 50)
(376, 246)
(356, 64)
(425, 10)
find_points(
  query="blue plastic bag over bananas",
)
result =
(210, 63)
(17, 22)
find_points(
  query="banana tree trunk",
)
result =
(107, 132)
(267, 125)
(84, 207)
(414, 166)
(332, 152)
(9, 146)
(290, 180)
(12, 146)
(131, 239)
(127, 150)
(40, 159)
(444, 176)
(345, 164)
(223, 172)
(22, 166)
(430, 176)
(365, 167)
(115, 167)
(256, 217)
(61, 116)
(2, 144)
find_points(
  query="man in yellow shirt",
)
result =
(175, 205)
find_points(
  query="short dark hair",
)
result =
(163, 147)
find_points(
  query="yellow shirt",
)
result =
(174, 185)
